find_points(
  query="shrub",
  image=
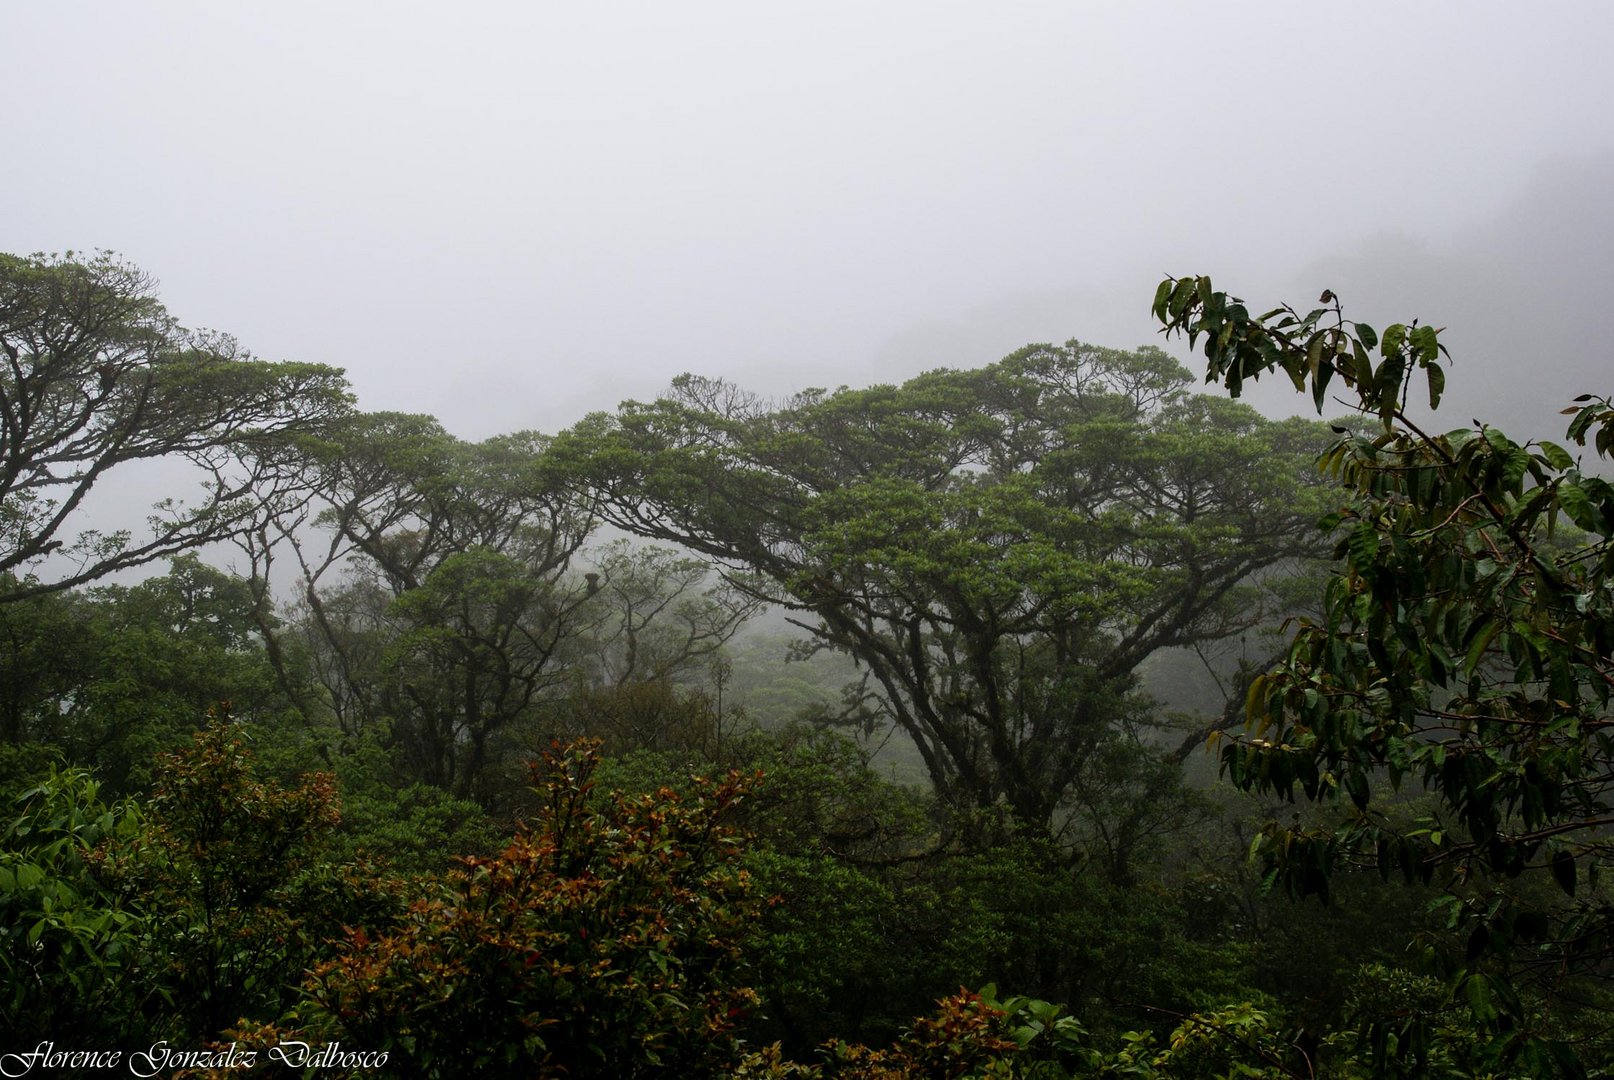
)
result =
(604, 940)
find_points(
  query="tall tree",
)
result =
(1001, 548)
(435, 590)
(95, 374)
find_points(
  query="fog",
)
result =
(511, 214)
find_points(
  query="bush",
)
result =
(69, 949)
(232, 879)
(603, 941)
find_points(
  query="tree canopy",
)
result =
(1000, 548)
(95, 375)
(434, 586)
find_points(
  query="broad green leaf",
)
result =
(1319, 383)
(1314, 353)
(1161, 296)
(1580, 508)
(1556, 455)
(1394, 336)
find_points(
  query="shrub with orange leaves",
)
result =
(603, 941)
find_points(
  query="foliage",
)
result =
(969, 1036)
(840, 952)
(1286, 946)
(1001, 549)
(824, 796)
(853, 940)
(229, 876)
(70, 959)
(980, 1036)
(96, 375)
(1121, 954)
(413, 829)
(603, 941)
(642, 716)
(1466, 646)
(164, 653)
(46, 643)
(113, 674)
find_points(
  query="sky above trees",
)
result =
(511, 214)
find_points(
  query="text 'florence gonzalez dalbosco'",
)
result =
(160, 1058)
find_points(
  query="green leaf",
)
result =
(1181, 295)
(1362, 369)
(1579, 425)
(1161, 296)
(1364, 548)
(1319, 383)
(1425, 344)
(29, 876)
(1580, 508)
(1531, 506)
(1437, 385)
(1314, 353)
(1556, 455)
(1394, 335)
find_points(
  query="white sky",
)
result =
(511, 214)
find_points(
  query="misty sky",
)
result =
(510, 214)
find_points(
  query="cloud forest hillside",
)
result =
(454, 758)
